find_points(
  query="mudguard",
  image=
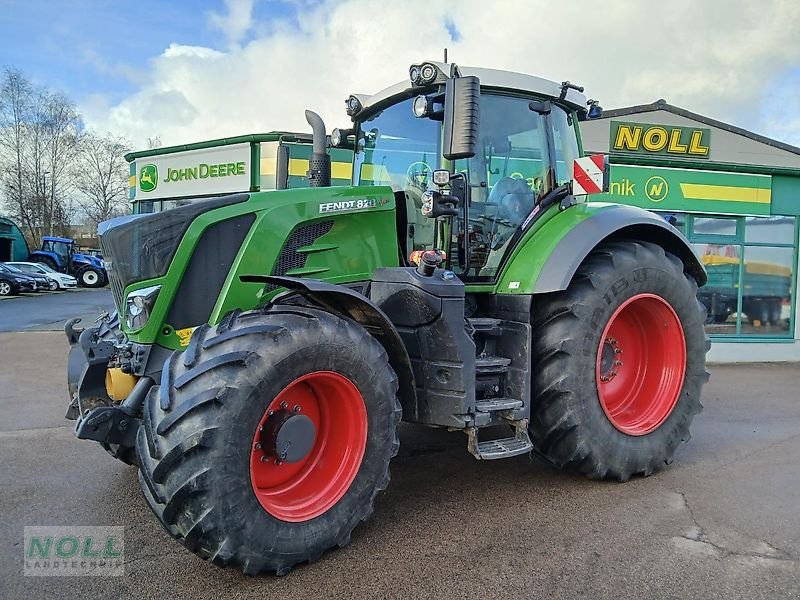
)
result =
(346, 302)
(547, 260)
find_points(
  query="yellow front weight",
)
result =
(119, 384)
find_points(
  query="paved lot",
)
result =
(722, 522)
(49, 311)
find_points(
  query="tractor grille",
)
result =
(140, 247)
(207, 270)
(305, 235)
(117, 288)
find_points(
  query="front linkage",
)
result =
(102, 366)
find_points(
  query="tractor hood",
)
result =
(139, 247)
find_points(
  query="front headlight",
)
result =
(138, 306)
(20, 280)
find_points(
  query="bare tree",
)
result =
(101, 176)
(39, 135)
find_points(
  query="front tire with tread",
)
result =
(195, 444)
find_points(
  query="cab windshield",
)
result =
(522, 155)
(399, 150)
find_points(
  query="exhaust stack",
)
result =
(319, 166)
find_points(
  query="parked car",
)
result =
(42, 282)
(14, 282)
(57, 281)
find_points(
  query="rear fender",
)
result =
(548, 259)
(350, 304)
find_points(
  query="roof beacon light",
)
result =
(352, 105)
(422, 75)
(427, 73)
(441, 177)
(339, 137)
(422, 106)
(413, 74)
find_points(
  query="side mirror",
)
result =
(590, 175)
(461, 117)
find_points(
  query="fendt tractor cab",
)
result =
(60, 254)
(268, 344)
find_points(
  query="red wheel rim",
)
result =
(641, 363)
(301, 490)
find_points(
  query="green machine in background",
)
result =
(267, 343)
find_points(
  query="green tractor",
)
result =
(267, 345)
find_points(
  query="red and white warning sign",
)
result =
(590, 175)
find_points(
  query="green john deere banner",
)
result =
(659, 140)
(686, 190)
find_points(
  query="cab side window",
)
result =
(508, 175)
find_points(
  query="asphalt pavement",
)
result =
(50, 310)
(723, 521)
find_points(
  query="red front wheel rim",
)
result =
(641, 363)
(310, 485)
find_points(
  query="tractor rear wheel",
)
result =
(269, 437)
(619, 363)
(47, 261)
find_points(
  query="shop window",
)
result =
(769, 230)
(767, 282)
(720, 295)
(750, 263)
(715, 227)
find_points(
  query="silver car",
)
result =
(58, 281)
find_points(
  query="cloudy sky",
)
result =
(192, 70)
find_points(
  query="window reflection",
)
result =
(750, 284)
(769, 230)
(720, 295)
(767, 290)
(714, 226)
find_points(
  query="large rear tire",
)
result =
(90, 277)
(47, 261)
(269, 437)
(619, 363)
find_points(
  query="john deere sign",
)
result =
(148, 178)
(217, 170)
(688, 190)
(669, 140)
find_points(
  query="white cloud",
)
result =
(717, 57)
(237, 22)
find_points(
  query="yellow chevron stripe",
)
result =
(132, 181)
(725, 193)
(299, 166)
(375, 173)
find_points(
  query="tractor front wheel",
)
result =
(269, 437)
(619, 363)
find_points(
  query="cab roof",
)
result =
(489, 78)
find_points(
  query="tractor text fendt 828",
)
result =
(268, 344)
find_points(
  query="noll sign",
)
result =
(688, 190)
(665, 140)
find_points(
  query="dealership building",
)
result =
(736, 197)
